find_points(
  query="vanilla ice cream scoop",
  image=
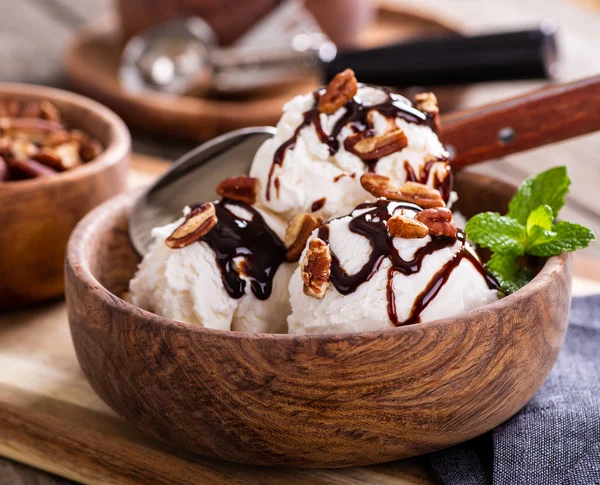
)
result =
(315, 161)
(221, 266)
(385, 265)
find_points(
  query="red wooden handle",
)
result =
(546, 116)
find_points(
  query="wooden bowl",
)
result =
(38, 215)
(310, 401)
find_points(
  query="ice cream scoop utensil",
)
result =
(552, 114)
(182, 56)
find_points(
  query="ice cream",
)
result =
(397, 259)
(326, 140)
(220, 266)
(386, 264)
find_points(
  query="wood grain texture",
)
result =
(92, 65)
(310, 401)
(549, 115)
(38, 215)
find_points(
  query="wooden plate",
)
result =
(93, 59)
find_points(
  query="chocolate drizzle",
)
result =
(318, 204)
(356, 114)
(372, 225)
(254, 241)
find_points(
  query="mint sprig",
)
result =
(528, 229)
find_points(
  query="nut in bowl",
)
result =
(367, 330)
(60, 156)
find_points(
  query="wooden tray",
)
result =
(93, 59)
(51, 419)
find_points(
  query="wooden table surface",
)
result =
(35, 33)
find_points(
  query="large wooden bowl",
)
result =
(310, 401)
(38, 215)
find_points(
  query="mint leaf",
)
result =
(542, 217)
(547, 188)
(537, 237)
(566, 237)
(499, 233)
(507, 272)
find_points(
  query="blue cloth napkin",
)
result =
(555, 439)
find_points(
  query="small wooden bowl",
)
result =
(38, 215)
(310, 401)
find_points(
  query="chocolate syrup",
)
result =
(372, 225)
(443, 182)
(254, 241)
(395, 106)
(318, 204)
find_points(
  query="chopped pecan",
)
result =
(340, 90)
(315, 268)
(368, 146)
(243, 188)
(4, 171)
(428, 103)
(297, 233)
(48, 157)
(22, 149)
(57, 138)
(89, 150)
(24, 169)
(420, 194)
(68, 154)
(197, 224)
(31, 110)
(439, 221)
(49, 111)
(406, 227)
(9, 108)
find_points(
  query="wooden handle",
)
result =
(546, 116)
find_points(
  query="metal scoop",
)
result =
(183, 57)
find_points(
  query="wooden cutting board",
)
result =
(51, 419)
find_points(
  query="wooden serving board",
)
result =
(51, 419)
(92, 64)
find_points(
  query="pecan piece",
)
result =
(315, 268)
(413, 192)
(9, 108)
(368, 147)
(48, 157)
(297, 233)
(4, 172)
(243, 189)
(28, 169)
(439, 221)
(406, 227)
(422, 195)
(89, 150)
(68, 154)
(57, 138)
(428, 103)
(31, 110)
(197, 224)
(340, 90)
(22, 149)
(48, 111)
